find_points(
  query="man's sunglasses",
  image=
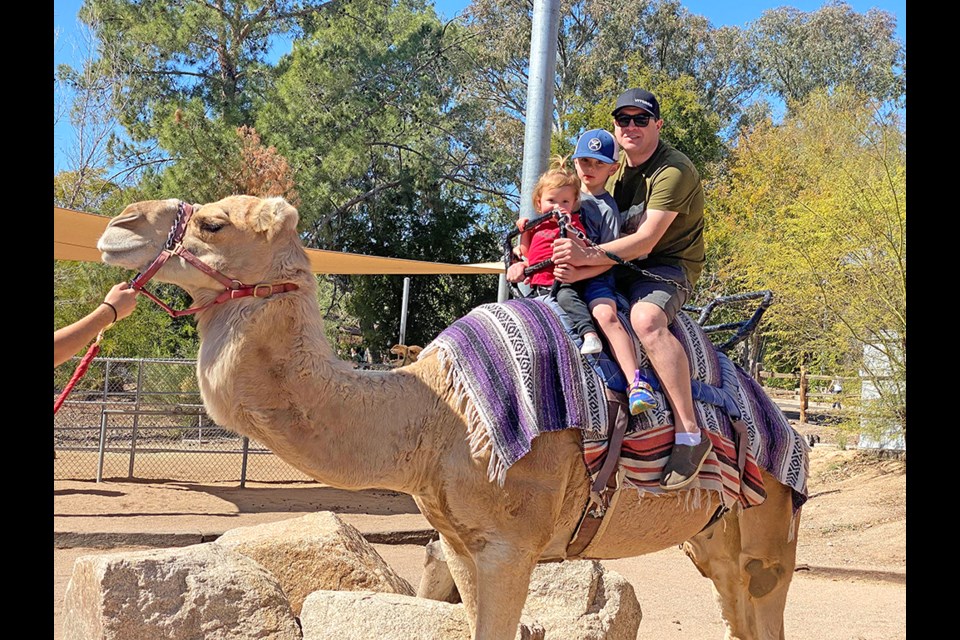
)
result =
(638, 120)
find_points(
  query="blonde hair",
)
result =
(557, 176)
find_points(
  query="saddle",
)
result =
(518, 364)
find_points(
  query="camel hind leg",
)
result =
(751, 561)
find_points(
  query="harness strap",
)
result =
(173, 246)
(716, 517)
(607, 482)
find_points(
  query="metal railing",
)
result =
(144, 419)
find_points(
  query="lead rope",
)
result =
(81, 369)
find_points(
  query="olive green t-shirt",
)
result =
(667, 181)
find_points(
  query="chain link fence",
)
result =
(143, 419)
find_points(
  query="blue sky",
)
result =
(718, 12)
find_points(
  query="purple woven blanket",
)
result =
(523, 375)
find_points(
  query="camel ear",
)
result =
(272, 216)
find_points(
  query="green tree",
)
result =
(213, 51)
(603, 49)
(815, 209)
(800, 52)
(348, 135)
(414, 222)
(387, 157)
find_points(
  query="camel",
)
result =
(266, 371)
(405, 354)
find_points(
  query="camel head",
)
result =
(246, 238)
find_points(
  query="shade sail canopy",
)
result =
(75, 235)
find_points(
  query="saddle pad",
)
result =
(645, 453)
(523, 376)
(772, 443)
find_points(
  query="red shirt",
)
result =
(541, 246)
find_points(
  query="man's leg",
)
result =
(669, 360)
(691, 445)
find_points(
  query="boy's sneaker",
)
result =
(591, 344)
(640, 395)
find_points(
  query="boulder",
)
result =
(359, 615)
(581, 600)
(318, 551)
(184, 593)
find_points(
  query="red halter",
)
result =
(174, 246)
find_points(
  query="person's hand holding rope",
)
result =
(119, 303)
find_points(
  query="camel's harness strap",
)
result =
(174, 246)
(607, 482)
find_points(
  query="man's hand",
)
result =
(515, 272)
(569, 251)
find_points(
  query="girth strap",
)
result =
(606, 483)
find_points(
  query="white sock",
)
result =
(689, 439)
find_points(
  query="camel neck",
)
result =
(267, 371)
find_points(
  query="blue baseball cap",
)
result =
(599, 145)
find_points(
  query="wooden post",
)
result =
(803, 394)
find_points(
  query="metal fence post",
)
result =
(803, 394)
(243, 464)
(103, 444)
(136, 419)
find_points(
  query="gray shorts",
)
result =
(639, 287)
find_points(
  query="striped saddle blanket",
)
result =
(524, 375)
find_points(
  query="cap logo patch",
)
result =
(594, 144)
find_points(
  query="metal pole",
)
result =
(539, 116)
(503, 291)
(136, 421)
(403, 310)
(243, 465)
(103, 444)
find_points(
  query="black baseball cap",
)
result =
(640, 98)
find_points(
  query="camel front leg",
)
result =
(503, 578)
(751, 561)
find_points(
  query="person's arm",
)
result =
(653, 224)
(119, 303)
(515, 272)
(568, 273)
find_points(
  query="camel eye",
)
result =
(211, 226)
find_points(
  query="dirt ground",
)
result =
(850, 583)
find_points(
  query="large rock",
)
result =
(580, 600)
(359, 615)
(318, 551)
(436, 583)
(185, 593)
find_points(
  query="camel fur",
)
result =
(266, 371)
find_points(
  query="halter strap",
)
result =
(174, 246)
